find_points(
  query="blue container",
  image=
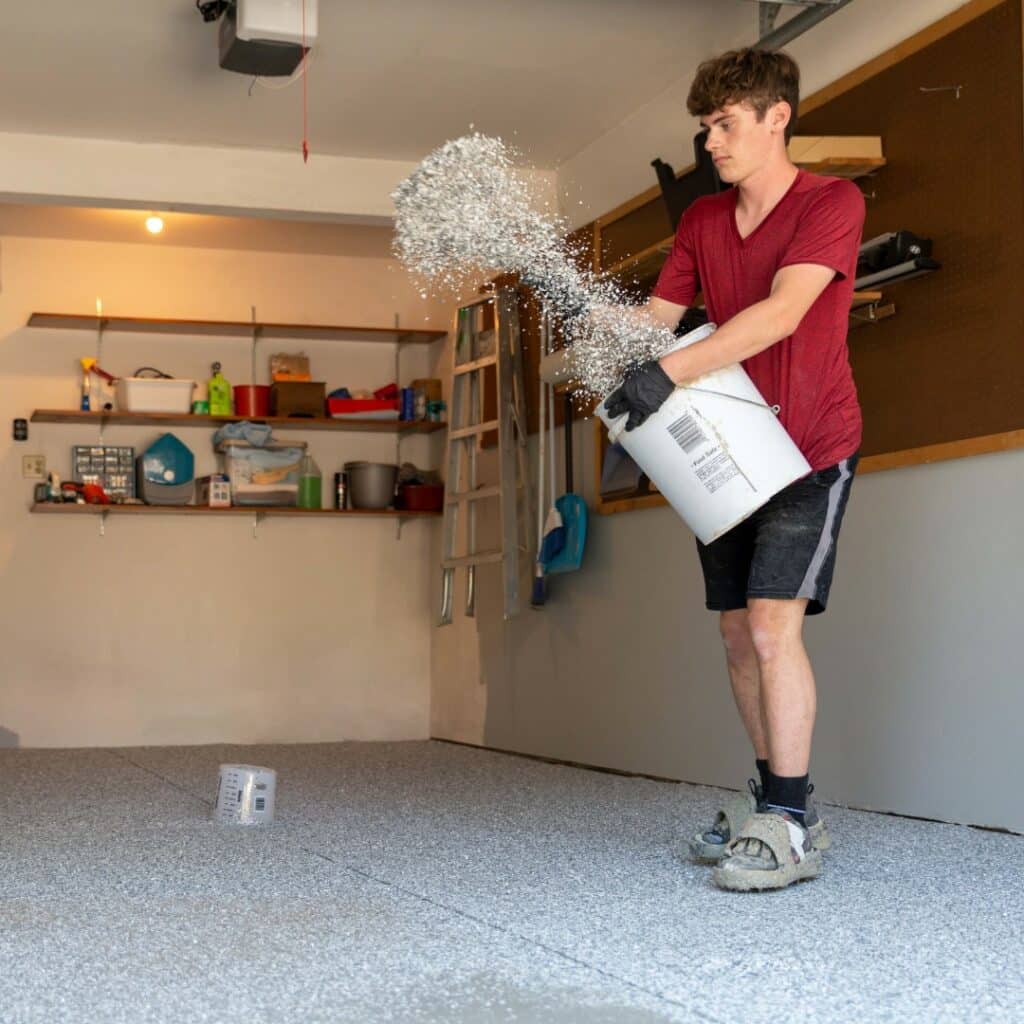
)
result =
(408, 410)
(166, 472)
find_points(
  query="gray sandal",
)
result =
(771, 851)
(709, 847)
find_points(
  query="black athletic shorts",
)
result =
(786, 549)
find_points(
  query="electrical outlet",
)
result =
(33, 467)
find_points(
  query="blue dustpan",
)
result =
(573, 511)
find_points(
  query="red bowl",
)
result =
(423, 497)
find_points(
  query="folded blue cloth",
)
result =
(256, 434)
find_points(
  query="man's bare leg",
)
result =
(771, 683)
(757, 857)
(745, 676)
(788, 699)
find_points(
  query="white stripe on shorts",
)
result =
(810, 582)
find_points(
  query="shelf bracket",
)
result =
(99, 362)
(399, 433)
(103, 523)
(256, 520)
(872, 312)
(255, 339)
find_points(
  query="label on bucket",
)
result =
(712, 464)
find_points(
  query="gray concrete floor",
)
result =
(429, 882)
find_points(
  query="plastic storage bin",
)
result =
(263, 476)
(362, 408)
(154, 394)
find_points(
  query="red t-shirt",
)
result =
(819, 220)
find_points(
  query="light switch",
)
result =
(33, 467)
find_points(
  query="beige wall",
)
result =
(174, 630)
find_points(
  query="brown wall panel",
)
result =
(950, 364)
(645, 226)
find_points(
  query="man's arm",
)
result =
(794, 290)
(663, 312)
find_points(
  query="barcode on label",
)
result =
(687, 433)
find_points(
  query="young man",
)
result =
(775, 258)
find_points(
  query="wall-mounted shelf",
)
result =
(838, 156)
(234, 328)
(56, 508)
(640, 265)
(171, 419)
(648, 262)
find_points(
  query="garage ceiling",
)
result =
(389, 79)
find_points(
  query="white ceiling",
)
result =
(388, 79)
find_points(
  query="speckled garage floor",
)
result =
(432, 882)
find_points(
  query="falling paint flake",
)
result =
(467, 210)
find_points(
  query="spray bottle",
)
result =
(87, 365)
(219, 391)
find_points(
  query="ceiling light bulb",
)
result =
(154, 224)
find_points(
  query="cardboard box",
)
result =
(298, 398)
(430, 386)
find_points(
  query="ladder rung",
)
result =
(480, 558)
(474, 431)
(481, 492)
(477, 364)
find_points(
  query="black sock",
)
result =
(765, 772)
(788, 793)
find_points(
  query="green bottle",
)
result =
(310, 484)
(219, 393)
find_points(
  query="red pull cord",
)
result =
(305, 73)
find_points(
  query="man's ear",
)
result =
(779, 116)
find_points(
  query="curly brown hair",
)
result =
(757, 77)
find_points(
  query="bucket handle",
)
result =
(736, 398)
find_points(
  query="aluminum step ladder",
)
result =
(478, 346)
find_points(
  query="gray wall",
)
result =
(920, 701)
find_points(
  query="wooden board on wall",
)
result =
(950, 364)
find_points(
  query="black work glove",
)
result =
(642, 393)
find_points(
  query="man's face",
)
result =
(739, 143)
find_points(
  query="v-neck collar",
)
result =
(771, 213)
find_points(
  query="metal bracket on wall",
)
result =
(871, 312)
(103, 523)
(400, 433)
(767, 15)
(768, 12)
(943, 88)
(99, 362)
(256, 520)
(255, 341)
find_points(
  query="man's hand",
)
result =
(641, 394)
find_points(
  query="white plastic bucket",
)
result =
(245, 795)
(715, 449)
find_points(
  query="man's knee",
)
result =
(774, 627)
(735, 629)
